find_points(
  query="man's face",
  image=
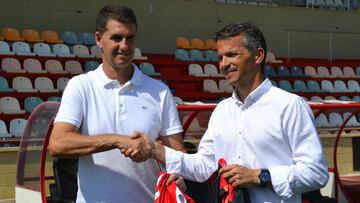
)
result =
(236, 62)
(117, 44)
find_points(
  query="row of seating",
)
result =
(48, 36)
(210, 85)
(195, 43)
(17, 126)
(43, 49)
(334, 4)
(310, 71)
(41, 84)
(32, 65)
(332, 99)
(335, 120)
(210, 70)
(313, 86)
(196, 55)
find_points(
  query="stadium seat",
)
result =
(5, 49)
(4, 85)
(356, 98)
(198, 43)
(56, 99)
(328, 85)
(329, 98)
(196, 70)
(11, 35)
(95, 51)
(322, 121)
(336, 72)
(349, 72)
(43, 49)
(210, 85)
(45, 84)
(54, 66)
(225, 87)
(269, 71)
(22, 84)
(316, 98)
(32, 65)
(11, 65)
(87, 38)
(17, 126)
(273, 83)
(296, 71)
(286, 85)
(340, 86)
(51, 37)
(211, 44)
(270, 58)
(69, 37)
(353, 85)
(178, 100)
(197, 55)
(148, 69)
(283, 71)
(73, 67)
(345, 98)
(10, 105)
(300, 86)
(81, 51)
(212, 70)
(4, 133)
(138, 55)
(62, 50)
(31, 103)
(32, 36)
(323, 72)
(61, 83)
(211, 55)
(310, 71)
(182, 55)
(22, 49)
(183, 43)
(91, 65)
(335, 119)
(314, 86)
(352, 121)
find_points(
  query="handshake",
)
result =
(139, 147)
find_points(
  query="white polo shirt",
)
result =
(100, 105)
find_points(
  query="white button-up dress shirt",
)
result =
(271, 129)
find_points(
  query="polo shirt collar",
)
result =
(135, 79)
(255, 95)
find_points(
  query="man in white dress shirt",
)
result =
(266, 135)
(103, 109)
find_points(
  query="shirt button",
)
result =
(239, 132)
(239, 157)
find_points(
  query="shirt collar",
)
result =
(255, 95)
(135, 79)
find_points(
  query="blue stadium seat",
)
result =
(4, 85)
(69, 37)
(353, 85)
(197, 55)
(283, 71)
(17, 126)
(43, 49)
(286, 85)
(5, 49)
(322, 121)
(300, 85)
(56, 99)
(87, 38)
(22, 49)
(329, 86)
(314, 86)
(31, 103)
(335, 119)
(340, 86)
(296, 71)
(4, 133)
(91, 65)
(211, 55)
(269, 71)
(345, 98)
(62, 50)
(182, 55)
(148, 69)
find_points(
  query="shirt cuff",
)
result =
(172, 160)
(279, 180)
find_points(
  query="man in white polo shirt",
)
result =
(102, 110)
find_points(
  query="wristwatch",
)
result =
(265, 178)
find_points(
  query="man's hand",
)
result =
(178, 180)
(139, 148)
(241, 176)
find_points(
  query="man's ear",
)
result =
(98, 39)
(260, 55)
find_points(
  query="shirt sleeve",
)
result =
(170, 118)
(71, 107)
(309, 169)
(197, 167)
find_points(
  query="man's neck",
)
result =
(245, 90)
(122, 75)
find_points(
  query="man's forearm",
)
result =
(158, 153)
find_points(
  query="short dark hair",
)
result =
(253, 38)
(120, 13)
